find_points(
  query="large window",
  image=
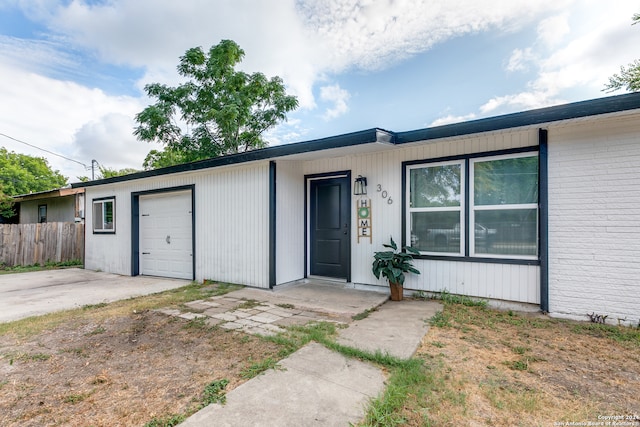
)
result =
(491, 213)
(436, 207)
(504, 206)
(104, 215)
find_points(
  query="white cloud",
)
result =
(290, 131)
(520, 59)
(33, 55)
(552, 30)
(374, 34)
(153, 35)
(449, 119)
(48, 113)
(305, 42)
(338, 97)
(520, 101)
(301, 41)
(109, 140)
(593, 50)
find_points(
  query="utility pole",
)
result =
(93, 169)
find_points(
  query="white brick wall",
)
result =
(594, 219)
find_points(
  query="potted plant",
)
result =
(393, 265)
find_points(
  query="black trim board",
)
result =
(368, 136)
(575, 110)
(272, 224)
(135, 225)
(543, 206)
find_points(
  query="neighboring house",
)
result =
(553, 197)
(59, 205)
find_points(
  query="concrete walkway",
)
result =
(316, 386)
(40, 292)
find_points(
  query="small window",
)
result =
(42, 213)
(104, 216)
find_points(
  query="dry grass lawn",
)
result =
(122, 364)
(496, 368)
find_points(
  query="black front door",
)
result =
(330, 227)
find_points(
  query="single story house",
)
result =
(59, 205)
(540, 208)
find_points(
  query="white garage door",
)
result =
(165, 235)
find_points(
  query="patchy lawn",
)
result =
(485, 367)
(122, 364)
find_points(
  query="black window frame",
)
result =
(103, 200)
(465, 191)
(40, 218)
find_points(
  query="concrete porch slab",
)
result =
(319, 296)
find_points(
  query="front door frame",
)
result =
(307, 221)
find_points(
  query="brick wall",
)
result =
(594, 220)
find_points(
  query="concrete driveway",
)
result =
(41, 292)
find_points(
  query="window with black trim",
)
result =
(104, 211)
(498, 200)
(42, 213)
(436, 207)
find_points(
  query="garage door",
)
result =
(165, 235)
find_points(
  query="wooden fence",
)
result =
(28, 244)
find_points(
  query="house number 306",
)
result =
(384, 194)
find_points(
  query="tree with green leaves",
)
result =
(162, 158)
(217, 111)
(107, 172)
(629, 76)
(23, 174)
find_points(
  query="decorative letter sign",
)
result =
(364, 218)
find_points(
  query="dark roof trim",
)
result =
(611, 104)
(346, 140)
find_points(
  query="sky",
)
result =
(72, 72)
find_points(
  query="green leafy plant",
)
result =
(395, 263)
(259, 367)
(169, 421)
(214, 392)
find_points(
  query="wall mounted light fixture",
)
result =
(360, 186)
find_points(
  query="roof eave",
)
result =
(58, 192)
(540, 116)
(339, 141)
(537, 117)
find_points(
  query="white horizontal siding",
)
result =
(484, 280)
(497, 281)
(594, 219)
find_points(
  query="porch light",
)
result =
(360, 186)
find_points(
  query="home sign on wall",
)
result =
(364, 218)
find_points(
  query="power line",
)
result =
(38, 148)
